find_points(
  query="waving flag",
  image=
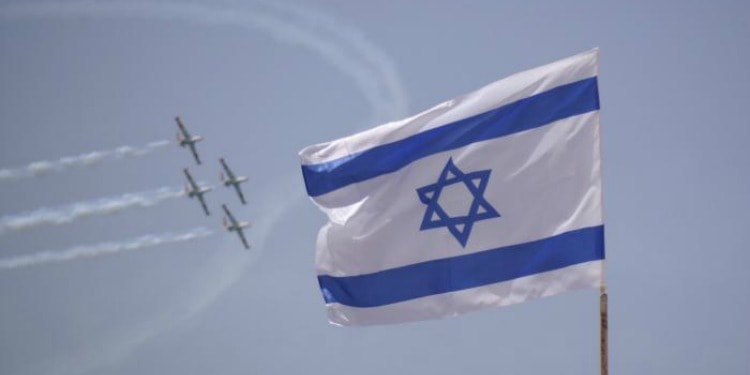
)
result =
(489, 199)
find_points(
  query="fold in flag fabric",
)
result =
(489, 199)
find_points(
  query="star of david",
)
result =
(459, 226)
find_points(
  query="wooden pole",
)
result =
(603, 329)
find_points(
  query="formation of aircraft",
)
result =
(231, 180)
(196, 191)
(185, 139)
(233, 225)
(227, 177)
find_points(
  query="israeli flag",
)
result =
(489, 199)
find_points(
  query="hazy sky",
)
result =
(262, 81)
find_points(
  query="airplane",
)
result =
(185, 139)
(232, 180)
(235, 226)
(196, 191)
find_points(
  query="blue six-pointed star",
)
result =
(460, 226)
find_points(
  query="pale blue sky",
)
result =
(260, 82)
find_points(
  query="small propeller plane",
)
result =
(196, 191)
(185, 139)
(233, 225)
(231, 180)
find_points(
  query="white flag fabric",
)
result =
(489, 199)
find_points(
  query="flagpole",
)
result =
(603, 329)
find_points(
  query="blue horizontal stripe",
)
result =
(528, 113)
(466, 271)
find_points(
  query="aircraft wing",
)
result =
(203, 204)
(226, 168)
(184, 131)
(195, 153)
(242, 238)
(190, 180)
(229, 214)
(239, 192)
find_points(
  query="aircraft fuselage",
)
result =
(234, 181)
(195, 193)
(193, 140)
(240, 225)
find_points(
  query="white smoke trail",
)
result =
(394, 97)
(105, 248)
(217, 276)
(348, 52)
(43, 167)
(352, 66)
(104, 206)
